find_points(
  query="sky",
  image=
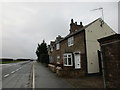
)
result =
(25, 24)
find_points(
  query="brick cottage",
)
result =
(77, 54)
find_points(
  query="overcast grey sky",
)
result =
(25, 24)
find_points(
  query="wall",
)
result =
(79, 46)
(94, 32)
(111, 57)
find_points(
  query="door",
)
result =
(77, 60)
(100, 62)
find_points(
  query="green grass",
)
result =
(6, 62)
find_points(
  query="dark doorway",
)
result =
(100, 62)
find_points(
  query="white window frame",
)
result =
(58, 61)
(57, 46)
(71, 41)
(51, 49)
(67, 56)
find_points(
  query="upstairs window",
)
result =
(57, 46)
(68, 59)
(70, 41)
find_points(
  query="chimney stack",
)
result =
(75, 23)
(74, 27)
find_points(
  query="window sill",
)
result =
(68, 65)
(70, 45)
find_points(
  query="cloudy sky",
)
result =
(25, 24)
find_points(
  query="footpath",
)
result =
(44, 78)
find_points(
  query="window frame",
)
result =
(67, 56)
(71, 41)
(51, 49)
(58, 59)
(57, 46)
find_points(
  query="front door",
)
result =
(77, 60)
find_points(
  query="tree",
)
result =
(42, 53)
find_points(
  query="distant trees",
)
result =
(42, 53)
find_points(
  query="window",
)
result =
(51, 59)
(67, 59)
(58, 59)
(57, 46)
(70, 41)
(51, 49)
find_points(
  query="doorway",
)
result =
(77, 60)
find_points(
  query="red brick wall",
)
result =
(111, 57)
(79, 45)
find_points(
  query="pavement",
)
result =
(44, 78)
(86, 82)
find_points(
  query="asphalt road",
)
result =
(16, 75)
(30, 75)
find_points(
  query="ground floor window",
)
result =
(58, 59)
(51, 58)
(68, 59)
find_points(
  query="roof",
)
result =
(114, 36)
(80, 30)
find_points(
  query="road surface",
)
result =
(30, 74)
(16, 75)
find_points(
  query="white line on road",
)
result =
(33, 77)
(6, 75)
(13, 72)
(16, 69)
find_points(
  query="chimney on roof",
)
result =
(72, 21)
(80, 23)
(74, 27)
(75, 23)
(58, 38)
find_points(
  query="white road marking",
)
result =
(13, 72)
(16, 69)
(20, 68)
(6, 75)
(33, 77)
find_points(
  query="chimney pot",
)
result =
(80, 23)
(72, 21)
(76, 23)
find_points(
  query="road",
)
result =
(16, 75)
(30, 75)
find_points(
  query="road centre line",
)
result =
(6, 75)
(13, 72)
(16, 69)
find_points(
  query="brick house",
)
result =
(110, 47)
(78, 51)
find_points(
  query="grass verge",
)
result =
(7, 62)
